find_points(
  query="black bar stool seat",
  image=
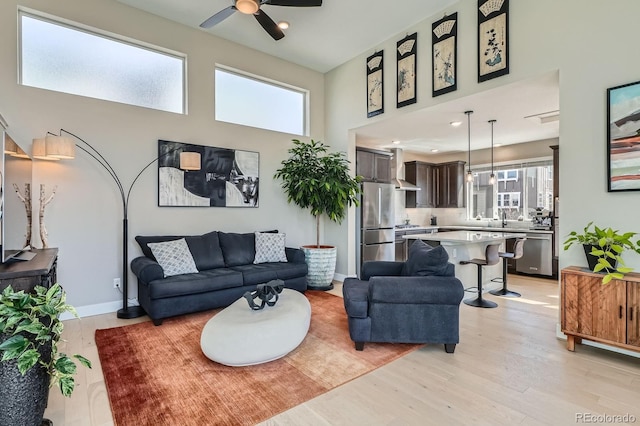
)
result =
(491, 257)
(518, 251)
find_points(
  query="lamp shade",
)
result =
(39, 151)
(60, 147)
(190, 160)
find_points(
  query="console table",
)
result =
(25, 275)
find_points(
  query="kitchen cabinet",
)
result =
(442, 185)
(425, 176)
(604, 313)
(451, 184)
(373, 166)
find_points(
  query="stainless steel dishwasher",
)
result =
(537, 257)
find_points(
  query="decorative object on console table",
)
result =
(318, 180)
(224, 177)
(493, 39)
(43, 203)
(605, 314)
(64, 148)
(375, 85)
(603, 248)
(406, 70)
(30, 360)
(444, 49)
(623, 139)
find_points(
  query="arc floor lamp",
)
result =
(62, 147)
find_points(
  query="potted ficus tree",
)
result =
(30, 329)
(316, 179)
(603, 248)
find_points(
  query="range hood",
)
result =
(397, 170)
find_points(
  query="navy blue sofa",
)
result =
(402, 303)
(226, 272)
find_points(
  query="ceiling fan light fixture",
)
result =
(248, 7)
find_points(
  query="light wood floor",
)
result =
(509, 369)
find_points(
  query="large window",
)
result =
(256, 102)
(517, 193)
(74, 59)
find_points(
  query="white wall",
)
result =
(591, 48)
(84, 219)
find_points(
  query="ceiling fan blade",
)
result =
(268, 25)
(294, 3)
(218, 17)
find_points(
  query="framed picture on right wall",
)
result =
(623, 137)
(493, 39)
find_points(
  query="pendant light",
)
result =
(492, 177)
(469, 173)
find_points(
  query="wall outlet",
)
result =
(116, 283)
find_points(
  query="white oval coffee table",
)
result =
(238, 336)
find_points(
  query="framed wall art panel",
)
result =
(623, 137)
(375, 85)
(406, 67)
(226, 178)
(493, 39)
(444, 50)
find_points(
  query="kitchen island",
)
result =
(466, 245)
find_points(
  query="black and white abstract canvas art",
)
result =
(226, 177)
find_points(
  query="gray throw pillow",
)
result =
(270, 248)
(424, 260)
(174, 257)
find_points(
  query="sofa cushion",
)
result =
(202, 282)
(237, 249)
(286, 271)
(256, 274)
(205, 248)
(174, 257)
(425, 260)
(270, 247)
(206, 251)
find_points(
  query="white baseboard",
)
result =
(560, 335)
(97, 309)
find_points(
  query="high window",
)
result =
(517, 193)
(78, 60)
(257, 102)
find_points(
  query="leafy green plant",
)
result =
(607, 246)
(319, 180)
(32, 320)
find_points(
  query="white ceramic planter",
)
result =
(322, 265)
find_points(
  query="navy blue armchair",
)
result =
(387, 305)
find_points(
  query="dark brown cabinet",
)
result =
(451, 184)
(442, 185)
(425, 176)
(41, 270)
(373, 166)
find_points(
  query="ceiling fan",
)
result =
(252, 7)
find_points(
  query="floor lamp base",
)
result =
(131, 312)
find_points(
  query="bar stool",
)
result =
(491, 257)
(518, 251)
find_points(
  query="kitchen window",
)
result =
(518, 191)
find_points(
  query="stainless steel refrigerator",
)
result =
(376, 223)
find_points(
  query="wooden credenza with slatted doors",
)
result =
(604, 313)
(41, 270)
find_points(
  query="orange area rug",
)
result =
(159, 375)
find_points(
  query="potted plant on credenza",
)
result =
(603, 248)
(30, 329)
(319, 180)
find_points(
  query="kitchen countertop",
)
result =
(465, 237)
(477, 228)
